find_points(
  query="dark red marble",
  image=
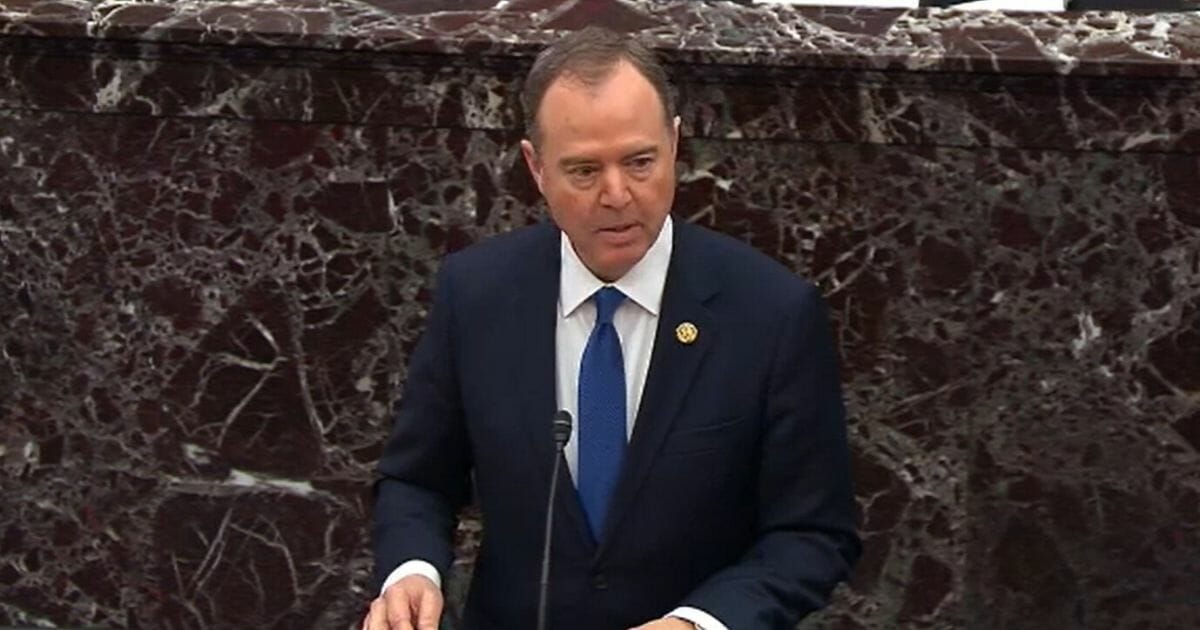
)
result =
(220, 225)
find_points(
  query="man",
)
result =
(709, 469)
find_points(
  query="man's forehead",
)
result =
(569, 141)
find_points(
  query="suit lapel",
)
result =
(673, 366)
(534, 319)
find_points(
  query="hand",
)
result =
(413, 603)
(669, 623)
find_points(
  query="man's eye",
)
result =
(583, 171)
(642, 163)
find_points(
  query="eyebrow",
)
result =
(568, 162)
(650, 150)
(574, 161)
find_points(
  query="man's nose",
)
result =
(614, 190)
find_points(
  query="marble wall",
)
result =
(220, 222)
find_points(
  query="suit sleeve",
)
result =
(424, 473)
(806, 534)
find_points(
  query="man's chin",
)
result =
(612, 268)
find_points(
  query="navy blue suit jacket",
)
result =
(735, 495)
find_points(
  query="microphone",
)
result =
(562, 435)
(562, 428)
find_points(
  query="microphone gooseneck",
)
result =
(562, 434)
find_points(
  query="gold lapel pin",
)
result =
(686, 333)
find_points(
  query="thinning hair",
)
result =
(590, 56)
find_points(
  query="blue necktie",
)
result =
(601, 411)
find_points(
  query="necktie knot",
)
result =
(607, 301)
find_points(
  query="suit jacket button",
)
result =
(599, 582)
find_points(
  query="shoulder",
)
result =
(504, 257)
(741, 271)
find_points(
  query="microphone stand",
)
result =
(562, 434)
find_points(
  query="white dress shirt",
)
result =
(636, 322)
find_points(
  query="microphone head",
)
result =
(562, 427)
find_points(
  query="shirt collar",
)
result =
(643, 284)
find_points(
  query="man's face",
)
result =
(606, 166)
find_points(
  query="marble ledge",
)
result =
(705, 33)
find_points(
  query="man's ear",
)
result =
(533, 162)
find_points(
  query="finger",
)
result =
(430, 610)
(398, 613)
(375, 619)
